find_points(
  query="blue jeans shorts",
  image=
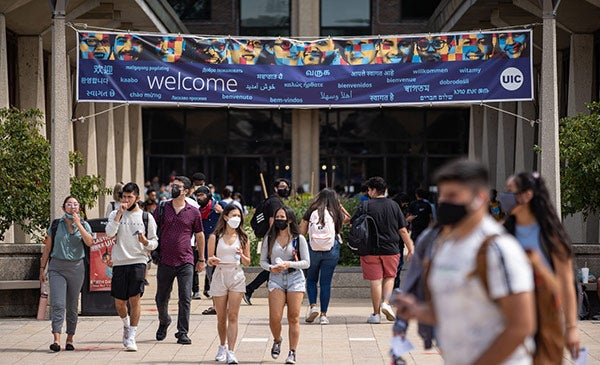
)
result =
(288, 281)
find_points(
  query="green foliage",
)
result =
(299, 205)
(580, 170)
(25, 173)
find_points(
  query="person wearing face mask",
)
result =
(475, 325)
(63, 256)
(210, 212)
(284, 255)
(535, 224)
(179, 221)
(271, 205)
(129, 256)
(228, 247)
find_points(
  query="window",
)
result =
(265, 17)
(345, 17)
(421, 9)
(191, 9)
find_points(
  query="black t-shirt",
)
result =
(272, 205)
(389, 219)
(422, 212)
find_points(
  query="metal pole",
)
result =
(550, 167)
(60, 171)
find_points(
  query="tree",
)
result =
(579, 154)
(25, 173)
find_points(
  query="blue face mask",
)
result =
(67, 215)
(508, 201)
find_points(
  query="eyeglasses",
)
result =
(73, 205)
(437, 44)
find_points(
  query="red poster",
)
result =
(101, 262)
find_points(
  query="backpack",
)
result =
(155, 254)
(363, 233)
(549, 340)
(321, 235)
(259, 222)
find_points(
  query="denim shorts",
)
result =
(287, 281)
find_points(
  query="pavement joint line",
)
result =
(254, 339)
(361, 339)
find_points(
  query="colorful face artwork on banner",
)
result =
(396, 69)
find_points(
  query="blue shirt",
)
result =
(68, 246)
(529, 238)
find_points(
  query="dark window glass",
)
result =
(191, 9)
(412, 9)
(265, 17)
(345, 17)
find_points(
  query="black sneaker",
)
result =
(247, 299)
(161, 333)
(183, 339)
(276, 349)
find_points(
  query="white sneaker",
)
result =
(388, 311)
(222, 353)
(231, 359)
(324, 320)
(125, 335)
(312, 313)
(131, 345)
(374, 319)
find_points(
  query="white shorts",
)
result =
(227, 279)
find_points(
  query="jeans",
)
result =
(165, 276)
(400, 266)
(322, 263)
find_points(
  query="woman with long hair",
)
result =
(63, 255)
(284, 254)
(228, 247)
(323, 222)
(534, 222)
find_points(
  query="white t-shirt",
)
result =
(467, 320)
(128, 250)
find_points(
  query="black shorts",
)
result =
(128, 281)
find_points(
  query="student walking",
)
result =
(129, 256)
(323, 222)
(535, 224)
(228, 248)
(63, 256)
(284, 254)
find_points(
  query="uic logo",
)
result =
(511, 79)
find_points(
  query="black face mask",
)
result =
(132, 207)
(280, 224)
(175, 192)
(450, 214)
(284, 193)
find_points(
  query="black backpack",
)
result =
(259, 221)
(364, 234)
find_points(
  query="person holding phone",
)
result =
(63, 256)
(129, 257)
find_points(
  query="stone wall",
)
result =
(19, 261)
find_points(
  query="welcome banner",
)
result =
(290, 73)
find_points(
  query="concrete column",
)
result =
(122, 144)
(580, 68)
(136, 141)
(105, 150)
(85, 142)
(305, 123)
(30, 76)
(490, 140)
(9, 236)
(305, 147)
(524, 139)
(550, 168)
(506, 144)
(476, 132)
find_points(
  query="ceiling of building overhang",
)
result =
(34, 17)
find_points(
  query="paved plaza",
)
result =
(348, 339)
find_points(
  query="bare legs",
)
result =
(277, 300)
(228, 308)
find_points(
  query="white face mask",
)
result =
(234, 222)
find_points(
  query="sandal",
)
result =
(69, 347)
(55, 347)
(210, 310)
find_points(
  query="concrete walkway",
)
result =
(348, 339)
